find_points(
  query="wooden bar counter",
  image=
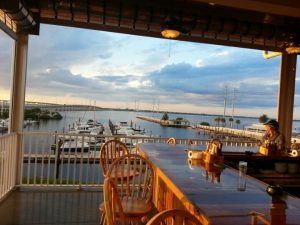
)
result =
(211, 192)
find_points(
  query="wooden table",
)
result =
(180, 184)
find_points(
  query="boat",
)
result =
(89, 127)
(260, 127)
(257, 127)
(3, 125)
(131, 136)
(30, 122)
(75, 146)
(78, 146)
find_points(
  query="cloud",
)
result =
(6, 51)
(109, 67)
(206, 83)
(220, 54)
(76, 49)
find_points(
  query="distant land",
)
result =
(73, 107)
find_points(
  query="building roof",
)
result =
(258, 24)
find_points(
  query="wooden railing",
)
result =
(8, 165)
(60, 159)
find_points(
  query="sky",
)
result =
(80, 66)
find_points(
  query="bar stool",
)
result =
(134, 187)
(115, 212)
(110, 151)
(171, 141)
(174, 216)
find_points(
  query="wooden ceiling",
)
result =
(264, 24)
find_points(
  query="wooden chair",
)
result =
(171, 141)
(112, 203)
(115, 214)
(110, 151)
(174, 216)
(134, 186)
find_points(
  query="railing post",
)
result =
(58, 161)
(18, 146)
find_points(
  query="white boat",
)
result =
(257, 127)
(3, 125)
(128, 131)
(72, 146)
(131, 136)
(123, 128)
(260, 127)
(89, 127)
(30, 122)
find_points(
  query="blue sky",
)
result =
(77, 66)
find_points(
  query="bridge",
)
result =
(4, 105)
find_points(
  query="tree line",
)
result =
(34, 114)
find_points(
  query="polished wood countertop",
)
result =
(219, 199)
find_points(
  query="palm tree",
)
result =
(231, 122)
(204, 124)
(223, 120)
(237, 123)
(263, 118)
(165, 116)
(217, 120)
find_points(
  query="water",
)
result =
(90, 172)
(155, 129)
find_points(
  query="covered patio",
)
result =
(264, 25)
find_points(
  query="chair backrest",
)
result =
(171, 141)
(112, 203)
(174, 216)
(110, 151)
(133, 175)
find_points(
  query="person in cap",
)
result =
(272, 138)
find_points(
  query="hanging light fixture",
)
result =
(292, 49)
(170, 33)
(169, 28)
(293, 46)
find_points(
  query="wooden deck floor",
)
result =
(36, 207)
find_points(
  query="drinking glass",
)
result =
(241, 186)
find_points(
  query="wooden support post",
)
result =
(17, 99)
(286, 95)
(17, 102)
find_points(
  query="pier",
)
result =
(232, 131)
(154, 120)
(167, 123)
(219, 130)
(237, 132)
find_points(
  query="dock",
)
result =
(152, 119)
(167, 123)
(237, 132)
(232, 131)
(222, 130)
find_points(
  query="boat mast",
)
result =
(233, 101)
(94, 112)
(2, 107)
(225, 101)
